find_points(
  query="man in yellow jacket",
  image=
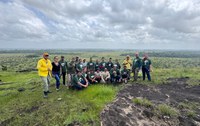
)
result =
(44, 67)
(128, 63)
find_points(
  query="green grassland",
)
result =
(30, 108)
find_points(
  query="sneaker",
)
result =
(57, 89)
(45, 95)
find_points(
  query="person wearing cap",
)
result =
(70, 71)
(125, 74)
(91, 65)
(117, 64)
(137, 63)
(79, 82)
(63, 64)
(109, 64)
(128, 63)
(44, 70)
(146, 67)
(115, 75)
(102, 65)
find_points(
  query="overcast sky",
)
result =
(113, 24)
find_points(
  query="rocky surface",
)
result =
(124, 112)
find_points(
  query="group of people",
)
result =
(81, 73)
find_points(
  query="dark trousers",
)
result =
(114, 79)
(78, 87)
(57, 77)
(145, 72)
(64, 76)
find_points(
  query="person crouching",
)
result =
(91, 77)
(125, 75)
(79, 82)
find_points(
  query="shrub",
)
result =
(143, 102)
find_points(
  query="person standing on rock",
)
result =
(146, 67)
(44, 67)
(137, 63)
(63, 64)
(56, 71)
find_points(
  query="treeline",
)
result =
(55, 51)
(169, 54)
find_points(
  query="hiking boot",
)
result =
(45, 94)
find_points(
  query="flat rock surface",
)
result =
(124, 112)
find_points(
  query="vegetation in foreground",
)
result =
(21, 92)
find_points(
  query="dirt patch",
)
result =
(124, 112)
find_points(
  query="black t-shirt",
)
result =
(56, 68)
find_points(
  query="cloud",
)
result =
(100, 24)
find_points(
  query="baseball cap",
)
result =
(45, 54)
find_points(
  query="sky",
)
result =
(103, 24)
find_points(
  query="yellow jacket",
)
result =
(127, 63)
(43, 66)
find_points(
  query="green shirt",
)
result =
(102, 66)
(76, 79)
(91, 76)
(84, 75)
(114, 72)
(146, 63)
(125, 72)
(79, 66)
(63, 65)
(109, 65)
(96, 66)
(137, 63)
(117, 65)
(71, 68)
(91, 66)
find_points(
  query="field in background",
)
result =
(29, 108)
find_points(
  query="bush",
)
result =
(143, 102)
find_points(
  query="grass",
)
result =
(143, 102)
(166, 110)
(84, 107)
(29, 107)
